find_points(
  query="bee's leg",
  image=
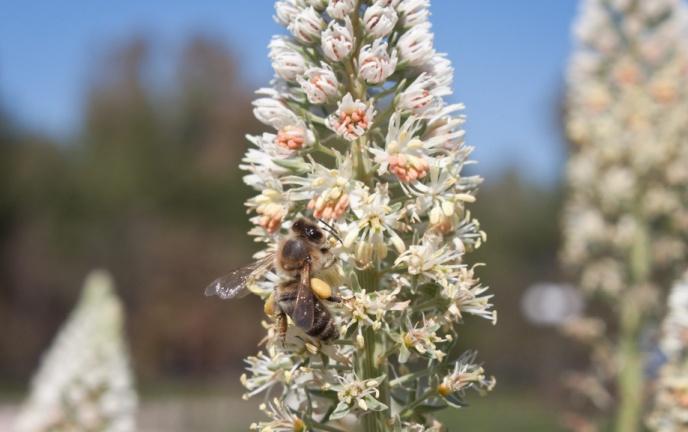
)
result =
(282, 321)
(334, 299)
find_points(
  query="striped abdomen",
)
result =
(323, 327)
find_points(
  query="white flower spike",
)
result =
(362, 142)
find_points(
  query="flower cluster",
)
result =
(85, 382)
(626, 117)
(363, 141)
(671, 395)
(626, 218)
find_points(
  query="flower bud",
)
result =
(320, 84)
(340, 9)
(307, 26)
(413, 12)
(337, 40)
(375, 64)
(415, 46)
(285, 11)
(273, 113)
(379, 21)
(286, 60)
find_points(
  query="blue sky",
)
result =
(509, 58)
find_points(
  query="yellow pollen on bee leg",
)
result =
(321, 288)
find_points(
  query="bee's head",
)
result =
(308, 230)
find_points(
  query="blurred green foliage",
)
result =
(148, 188)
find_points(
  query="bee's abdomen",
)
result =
(323, 324)
(286, 296)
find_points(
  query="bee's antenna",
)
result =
(330, 229)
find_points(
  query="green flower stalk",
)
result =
(85, 382)
(626, 219)
(363, 141)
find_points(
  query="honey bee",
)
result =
(299, 256)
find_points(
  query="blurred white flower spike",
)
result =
(626, 216)
(85, 382)
(363, 143)
(670, 411)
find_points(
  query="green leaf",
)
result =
(297, 165)
(341, 411)
(374, 404)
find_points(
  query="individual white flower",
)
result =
(260, 162)
(466, 375)
(292, 133)
(287, 61)
(283, 419)
(424, 95)
(338, 40)
(467, 296)
(431, 259)
(377, 222)
(416, 45)
(327, 190)
(267, 369)
(352, 118)
(286, 11)
(413, 12)
(442, 71)
(364, 308)
(379, 20)
(307, 25)
(443, 195)
(420, 338)
(447, 126)
(340, 9)
(320, 84)
(375, 64)
(271, 205)
(406, 155)
(355, 394)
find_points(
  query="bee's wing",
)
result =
(303, 308)
(235, 284)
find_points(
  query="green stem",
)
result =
(325, 150)
(630, 378)
(408, 411)
(409, 377)
(370, 362)
(365, 363)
